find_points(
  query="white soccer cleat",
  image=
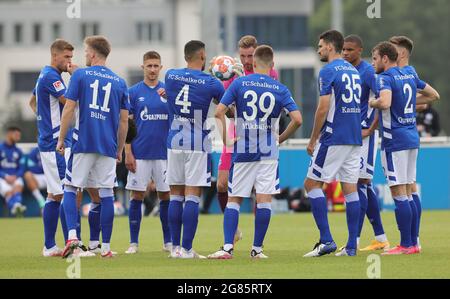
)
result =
(133, 249)
(175, 253)
(191, 254)
(322, 249)
(18, 209)
(52, 252)
(96, 250)
(167, 247)
(222, 254)
(258, 255)
(81, 253)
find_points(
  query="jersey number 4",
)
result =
(184, 92)
(107, 89)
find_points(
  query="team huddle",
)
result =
(85, 127)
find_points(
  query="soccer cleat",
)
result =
(346, 252)
(132, 249)
(222, 254)
(398, 250)
(190, 254)
(83, 247)
(258, 255)
(55, 251)
(167, 247)
(237, 236)
(96, 250)
(416, 249)
(79, 252)
(175, 253)
(108, 254)
(71, 245)
(18, 209)
(322, 249)
(376, 245)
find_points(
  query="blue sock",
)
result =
(418, 203)
(62, 216)
(70, 207)
(190, 220)
(107, 213)
(404, 217)
(320, 213)
(363, 201)
(94, 221)
(176, 218)
(352, 209)
(79, 225)
(262, 220)
(164, 217)
(230, 222)
(134, 219)
(373, 211)
(50, 215)
(414, 220)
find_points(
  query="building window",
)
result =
(37, 33)
(18, 33)
(23, 81)
(88, 29)
(149, 31)
(56, 30)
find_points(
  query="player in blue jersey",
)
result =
(98, 98)
(189, 95)
(400, 140)
(12, 168)
(352, 51)
(337, 154)
(34, 176)
(404, 47)
(146, 156)
(259, 101)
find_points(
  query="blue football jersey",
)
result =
(49, 87)
(398, 123)
(12, 160)
(189, 95)
(343, 124)
(34, 163)
(369, 90)
(409, 69)
(259, 101)
(100, 95)
(152, 122)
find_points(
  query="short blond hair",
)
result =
(248, 41)
(60, 45)
(99, 44)
(264, 54)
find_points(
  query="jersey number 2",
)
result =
(407, 90)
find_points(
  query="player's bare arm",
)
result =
(66, 120)
(427, 95)
(319, 120)
(384, 102)
(294, 124)
(32, 103)
(122, 134)
(221, 110)
(372, 128)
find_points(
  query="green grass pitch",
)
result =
(288, 238)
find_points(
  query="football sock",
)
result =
(50, 215)
(320, 213)
(418, 203)
(70, 210)
(94, 221)
(106, 214)
(352, 209)
(414, 219)
(39, 198)
(230, 223)
(164, 217)
(262, 220)
(404, 218)
(134, 219)
(62, 216)
(175, 218)
(373, 211)
(362, 193)
(190, 220)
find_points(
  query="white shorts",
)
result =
(263, 175)
(146, 171)
(91, 170)
(188, 168)
(54, 166)
(6, 188)
(41, 180)
(368, 156)
(399, 167)
(336, 162)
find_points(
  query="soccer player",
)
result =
(146, 156)
(337, 155)
(34, 176)
(404, 47)
(352, 51)
(98, 98)
(11, 171)
(189, 95)
(259, 100)
(400, 140)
